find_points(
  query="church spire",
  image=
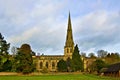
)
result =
(69, 44)
(69, 38)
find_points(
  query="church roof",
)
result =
(52, 55)
(113, 68)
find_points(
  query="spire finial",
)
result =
(69, 14)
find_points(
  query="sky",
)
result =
(43, 24)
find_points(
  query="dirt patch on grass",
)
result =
(8, 73)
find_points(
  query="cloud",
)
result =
(43, 24)
(98, 29)
(25, 36)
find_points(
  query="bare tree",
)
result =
(101, 53)
(14, 50)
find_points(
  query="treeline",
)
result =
(100, 54)
(109, 58)
(100, 62)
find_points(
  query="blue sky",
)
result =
(43, 24)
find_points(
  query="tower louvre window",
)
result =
(71, 50)
(67, 50)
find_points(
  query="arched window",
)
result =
(41, 65)
(53, 65)
(46, 64)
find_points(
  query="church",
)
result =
(50, 61)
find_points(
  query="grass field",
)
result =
(59, 77)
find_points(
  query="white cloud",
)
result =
(25, 36)
(98, 29)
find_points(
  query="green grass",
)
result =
(59, 77)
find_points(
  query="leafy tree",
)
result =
(4, 57)
(4, 46)
(23, 59)
(33, 53)
(7, 66)
(77, 63)
(117, 56)
(108, 55)
(98, 65)
(112, 58)
(62, 66)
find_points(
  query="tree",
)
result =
(77, 63)
(4, 46)
(33, 53)
(83, 54)
(23, 59)
(14, 50)
(62, 66)
(117, 56)
(69, 64)
(108, 55)
(91, 55)
(4, 57)
(112, 58)
(98, 65)
(102, 53)
(7, 66)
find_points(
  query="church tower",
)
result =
(69, 44)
